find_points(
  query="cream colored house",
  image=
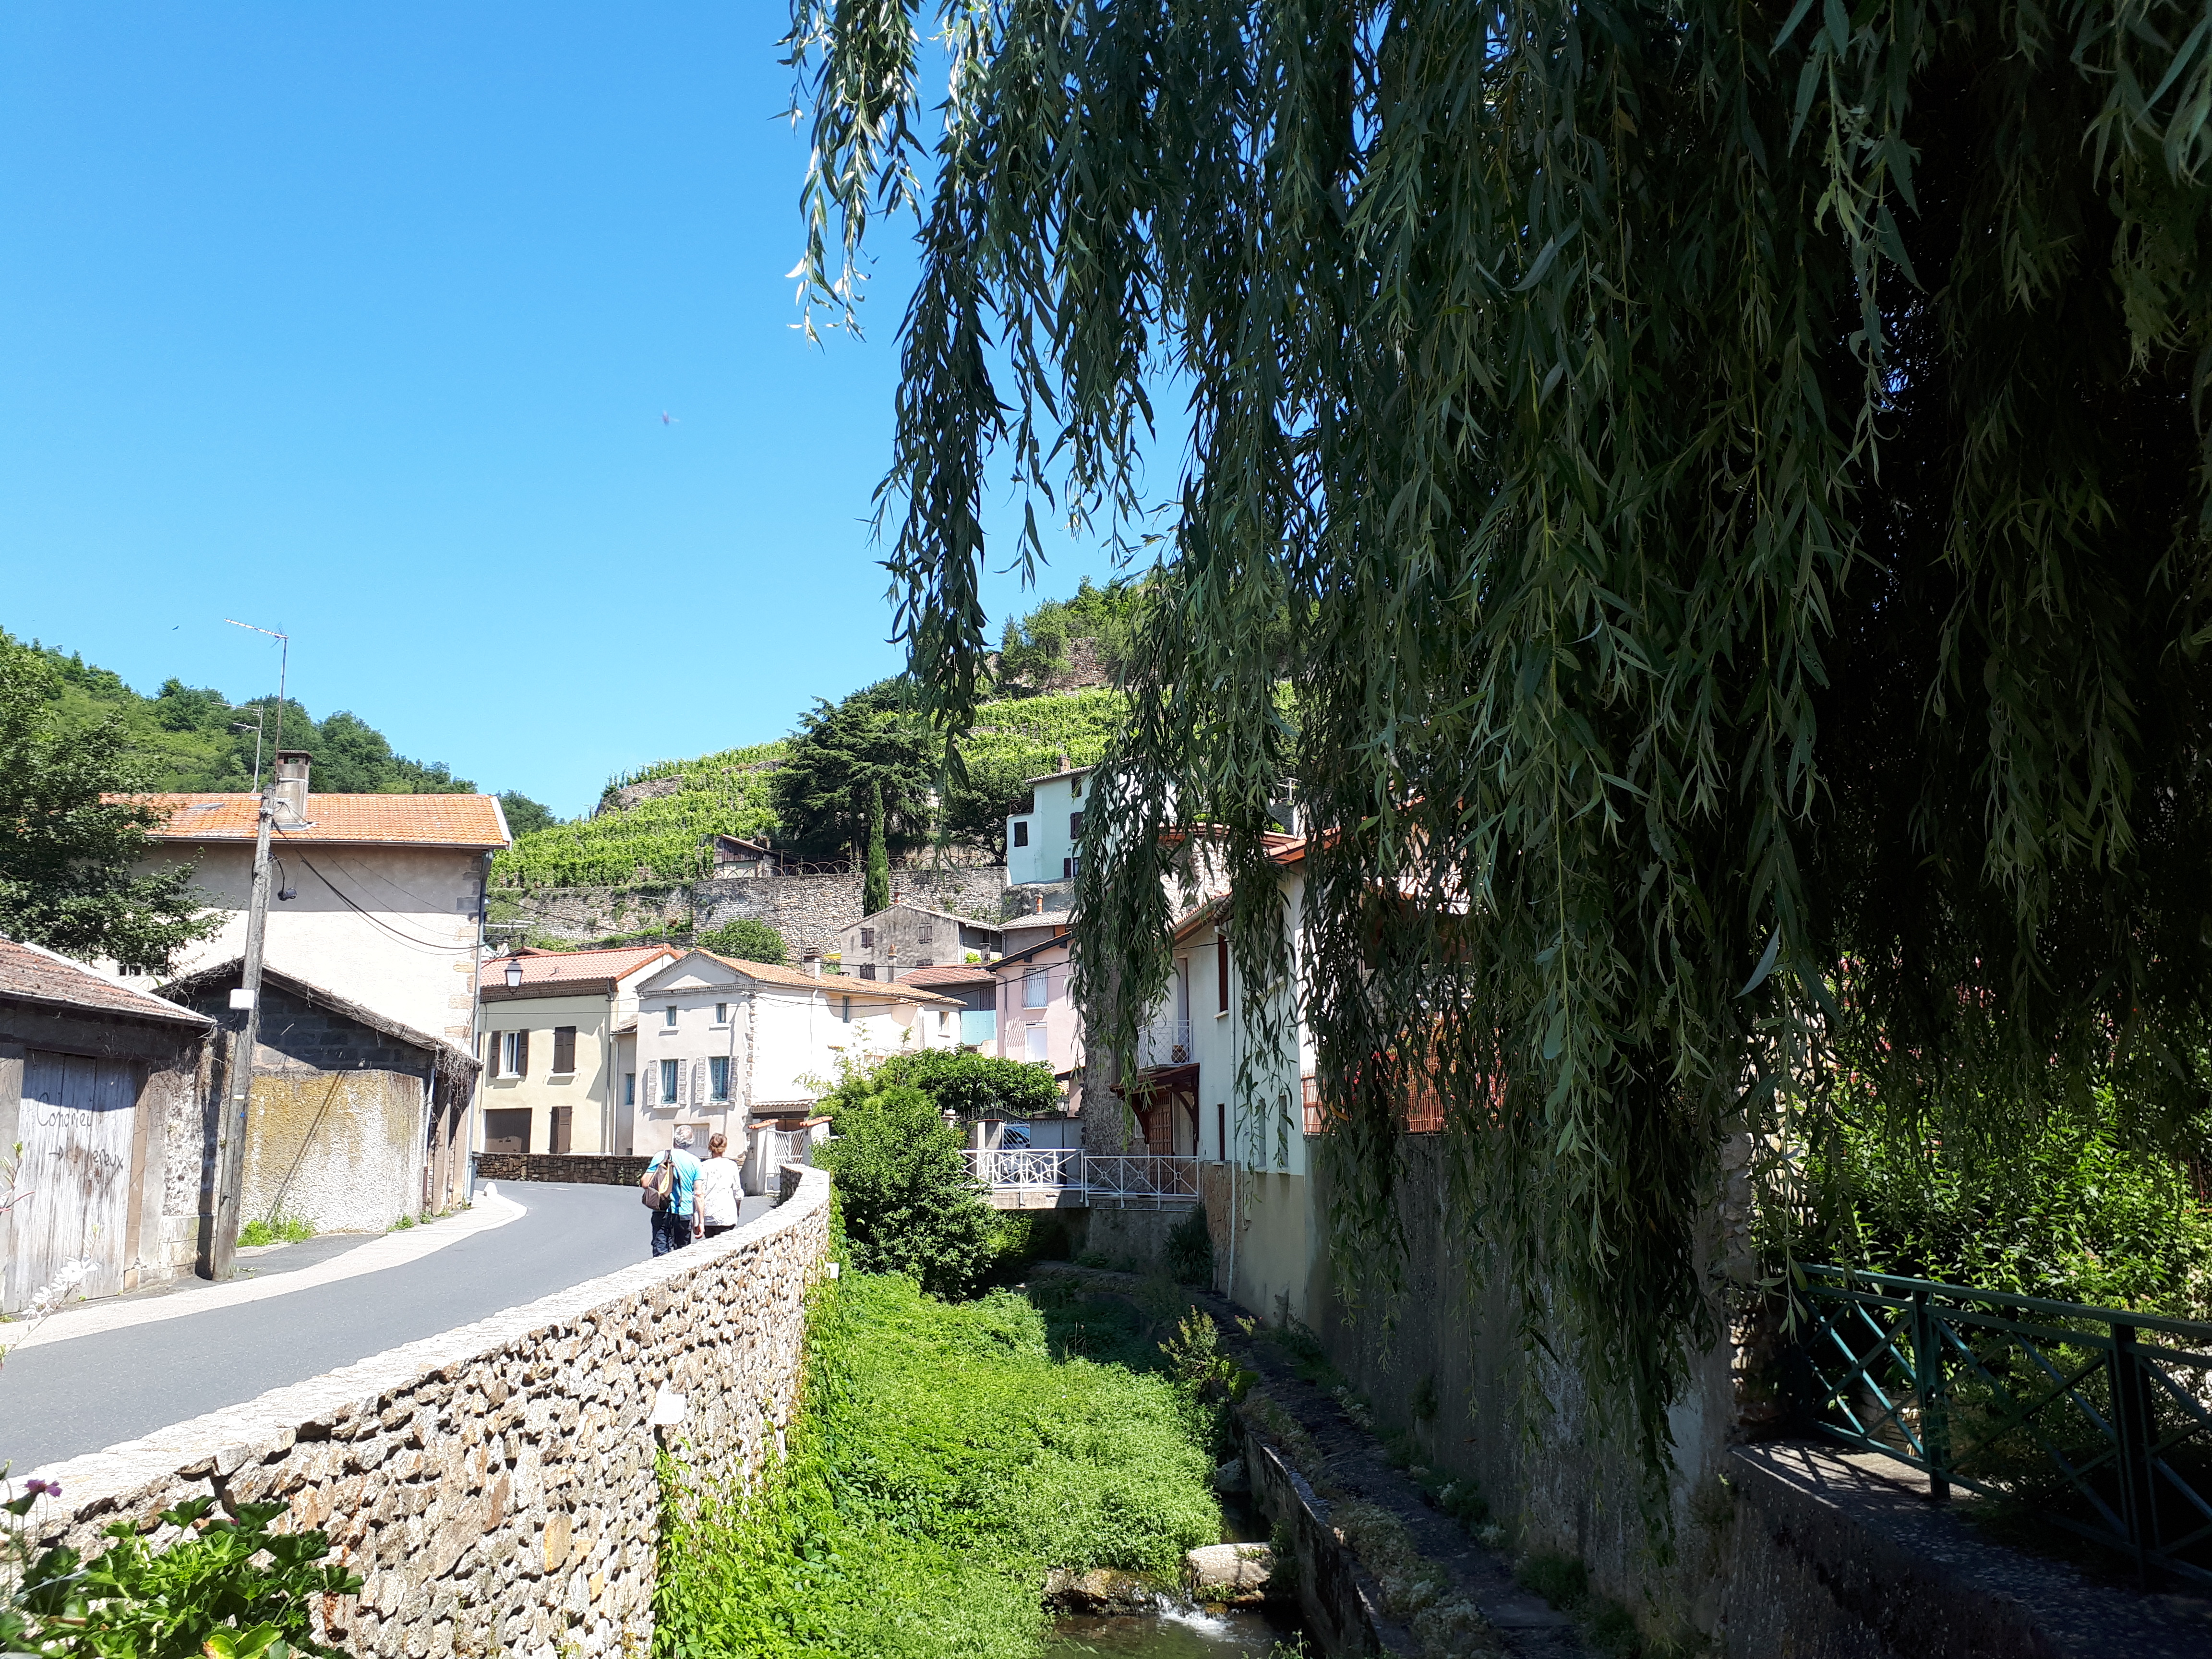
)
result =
(719, 1040)
(376, 898)
(555, 1077)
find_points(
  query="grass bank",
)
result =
(949, 1455)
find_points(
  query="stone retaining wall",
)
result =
(591, 1169)
(807, 910)
(495, 1485)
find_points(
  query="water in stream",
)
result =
(1170, 1633)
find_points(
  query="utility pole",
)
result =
(219, 1228)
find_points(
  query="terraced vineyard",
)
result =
(640, 837)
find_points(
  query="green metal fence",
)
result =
(2098, 1420)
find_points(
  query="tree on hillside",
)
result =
(66, 855)
(1034, 649)
(524, 815)
(841, 754)
(1741, 474)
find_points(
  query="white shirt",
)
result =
(716, 1197)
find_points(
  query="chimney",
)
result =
(1065, 765)
(292, 784)
(812, 961)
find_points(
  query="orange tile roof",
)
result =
(472, 821)
(551, 967)
(842, 984)
(971, 973)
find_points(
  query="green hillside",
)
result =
(661, 838)
(184, 735)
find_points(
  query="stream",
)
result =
(1170, 1633)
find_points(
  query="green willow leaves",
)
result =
(1728, 485)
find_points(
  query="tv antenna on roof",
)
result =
(283, 666)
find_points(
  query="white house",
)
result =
(719, 1040)
(555, 1044)
(1042, 842)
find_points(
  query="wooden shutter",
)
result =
(1221, 971)
(522, 1053)
(491, 1054)
(698, 1083)
(564, 1048)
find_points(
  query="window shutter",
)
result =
(564, 1048)
(522, 1053)
(491, 1054)
(698, 1083)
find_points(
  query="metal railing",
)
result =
(2098, 1419)
(1105, 1182)
(1164, 1042)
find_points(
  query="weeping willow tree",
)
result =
(1728, 484)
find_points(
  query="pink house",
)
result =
(1037, 1018)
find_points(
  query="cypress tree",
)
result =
(876, 889)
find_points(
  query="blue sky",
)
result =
(360, 321)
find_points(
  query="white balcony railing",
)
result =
(1133, 1180)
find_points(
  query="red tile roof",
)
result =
(471, 821)
(30, 973)
(844, 985)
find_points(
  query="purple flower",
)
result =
(43, 1488)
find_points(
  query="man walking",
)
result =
(672, 1177)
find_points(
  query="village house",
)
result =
(558, 1025)
(1254, 1143)
(720, 1041)
(1042, 842)
(1038, 1020)
(378, 899)
(975, 988)
(905, 936)
(354, 1119)
(102, 1090)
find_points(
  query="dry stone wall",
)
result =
(495, 1486)
(807, 910)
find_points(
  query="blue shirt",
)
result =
(687, 1177)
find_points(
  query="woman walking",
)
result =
(718, 1192)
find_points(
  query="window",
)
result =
(867, 970)
(514, 1054)
(565, 1050)
(1035, 989)
(718, 1077)
(1220, 972)
(1221, 1131)
(671, 1082)
(944, 1024)
(867, 938)
(1037, 1044)
(630, 1088)
(845, 1013)
(1067, 868)
(1075, 826)
(1075, 787)
(668, 1017)
(925, 933)
(1021, 832)
(721, 1013)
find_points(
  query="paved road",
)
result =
(68, 1398)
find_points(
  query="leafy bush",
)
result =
(208, 1592)
(909, 1200)
(968, 1085)
(2068, 1212)
(748, 940)
(944, 1462)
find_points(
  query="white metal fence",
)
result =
(1103, 1180)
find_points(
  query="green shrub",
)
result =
(944, 1462)
(908, 1197)
(1188, 1255)
(968, 1085)
(1562, 1580)
(275, 1230)
(748, 940)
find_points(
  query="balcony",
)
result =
(1056, 1178)
(1164, 1042)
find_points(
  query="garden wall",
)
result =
(589, 1169)
(495, 1486)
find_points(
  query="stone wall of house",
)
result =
(591, 1169)
(495, 1486)
(807, 910)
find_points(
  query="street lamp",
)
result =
(515, 973)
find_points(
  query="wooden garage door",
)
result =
(75, 1126)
